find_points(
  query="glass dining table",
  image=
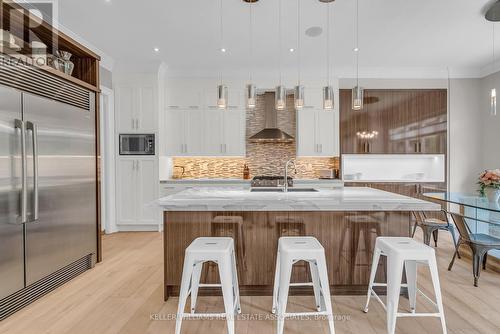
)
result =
(481, 215)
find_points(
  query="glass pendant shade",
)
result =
(280, 98)
(357, 98)
(221, 97)
(298, 95)
(251, 96)
(493, 102)
(328, 98)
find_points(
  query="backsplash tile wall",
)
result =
(262, 158)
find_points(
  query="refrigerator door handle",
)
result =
(34, 135)
(24, 183)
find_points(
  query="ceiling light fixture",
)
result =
(292, 49)
(298, 92)
(493, 92)
(156, 50)
(280, 94)
(357, 91)
(328, 97)
(221, 88)
(250, 87)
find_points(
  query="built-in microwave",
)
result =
(137, 144)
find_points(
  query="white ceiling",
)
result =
(395, 35)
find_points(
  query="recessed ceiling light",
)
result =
(223, 50)
(355, 49)
(292, 49)
(156, 50)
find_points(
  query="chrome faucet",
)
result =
(285, 187)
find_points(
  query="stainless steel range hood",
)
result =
(271, 133)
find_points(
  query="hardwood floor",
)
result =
(124, 294)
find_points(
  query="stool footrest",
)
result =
(406, 315)
(385, 284)
(302, 284)
(209, 285)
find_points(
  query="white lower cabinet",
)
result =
(137, 188)
(317, 134)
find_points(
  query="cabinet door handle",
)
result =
(138, 124)
(225, 148)
(221, 148)
(320, 148)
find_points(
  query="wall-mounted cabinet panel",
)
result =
(316, 133)
(136, 109)
(395, 121)
(234, 133)
(211, 132)
(184, 132)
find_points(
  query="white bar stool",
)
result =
(220, 251)
(290, 251)
(408, 252)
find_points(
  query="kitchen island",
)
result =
(346, 221)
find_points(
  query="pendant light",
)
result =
(298, 92)
(251, 94)
(280, 94)
(328, 97)
(493, 92)
(357, 91)
(221, 88)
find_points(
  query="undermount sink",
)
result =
(298, 190)
(280, 190)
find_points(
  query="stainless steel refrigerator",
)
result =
(47, 192)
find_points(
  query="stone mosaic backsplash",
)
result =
(261, 158)
(232, 168)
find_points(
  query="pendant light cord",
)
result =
(328, 44)
(279, 36)
(299, 49)
(357, 42)
(251, 41)
(221, 26)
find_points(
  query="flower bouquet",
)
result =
(489, 184)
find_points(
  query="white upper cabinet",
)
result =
(306, 133)
(136, 108)
(124, 100)
(214, 132)
(184, 132)
(234, 133)
(201, 129)
(313, 98)
(317, 134)
(183, 99)
(234, 100)
(174, 132)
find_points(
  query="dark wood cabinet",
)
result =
(395, 121)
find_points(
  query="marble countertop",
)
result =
(341, 199)
(246, 182)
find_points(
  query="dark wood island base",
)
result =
(348, 239)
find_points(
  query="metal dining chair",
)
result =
(479, 243)
(431, 226)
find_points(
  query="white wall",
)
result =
(465, 134)
(490, 124)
